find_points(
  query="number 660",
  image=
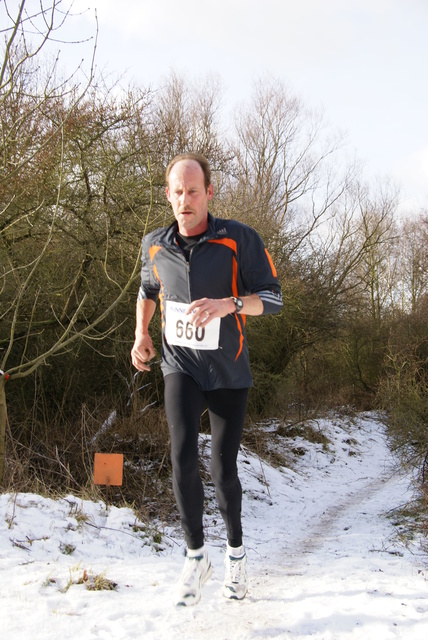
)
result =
(189, 331)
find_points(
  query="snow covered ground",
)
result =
(325, 557)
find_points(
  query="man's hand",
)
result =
(142, 352)
(206, 309)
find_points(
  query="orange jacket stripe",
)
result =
(235, 277)
(241, 335)
(153, 251)
(272, 266)
(227, 242)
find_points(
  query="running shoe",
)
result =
(235, 579)
(196, 572)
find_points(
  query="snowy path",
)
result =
(325, 563)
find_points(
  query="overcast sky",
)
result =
(365, 62)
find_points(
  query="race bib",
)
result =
(180, 331)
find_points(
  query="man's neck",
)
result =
(195, 231)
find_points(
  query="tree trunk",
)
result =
(3, 418)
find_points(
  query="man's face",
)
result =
(188, 197)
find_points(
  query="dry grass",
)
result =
(60, 461)
(97, 582)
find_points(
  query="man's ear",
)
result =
(210, 192)
(167, 194)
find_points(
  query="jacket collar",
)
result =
(211, 231)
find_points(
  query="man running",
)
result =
(208, 274)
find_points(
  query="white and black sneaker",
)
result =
(235, 579)
(196, 571)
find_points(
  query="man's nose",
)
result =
(184, 198)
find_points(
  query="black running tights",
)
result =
(184, 404)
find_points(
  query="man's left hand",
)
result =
(206, 309)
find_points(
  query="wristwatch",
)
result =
(238, 304)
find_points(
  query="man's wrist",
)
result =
(238, 304)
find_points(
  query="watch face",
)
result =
(238, 304)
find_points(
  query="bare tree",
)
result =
(49, 127)
(285, 180)
(187, 118)
(411, 256)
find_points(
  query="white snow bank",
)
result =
(325, 561)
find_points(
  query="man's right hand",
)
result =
(142, 352)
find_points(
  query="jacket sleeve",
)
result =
(149, 287)
(258, 272)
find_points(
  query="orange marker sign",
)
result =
(108, 469)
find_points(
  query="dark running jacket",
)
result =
(229, 260)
